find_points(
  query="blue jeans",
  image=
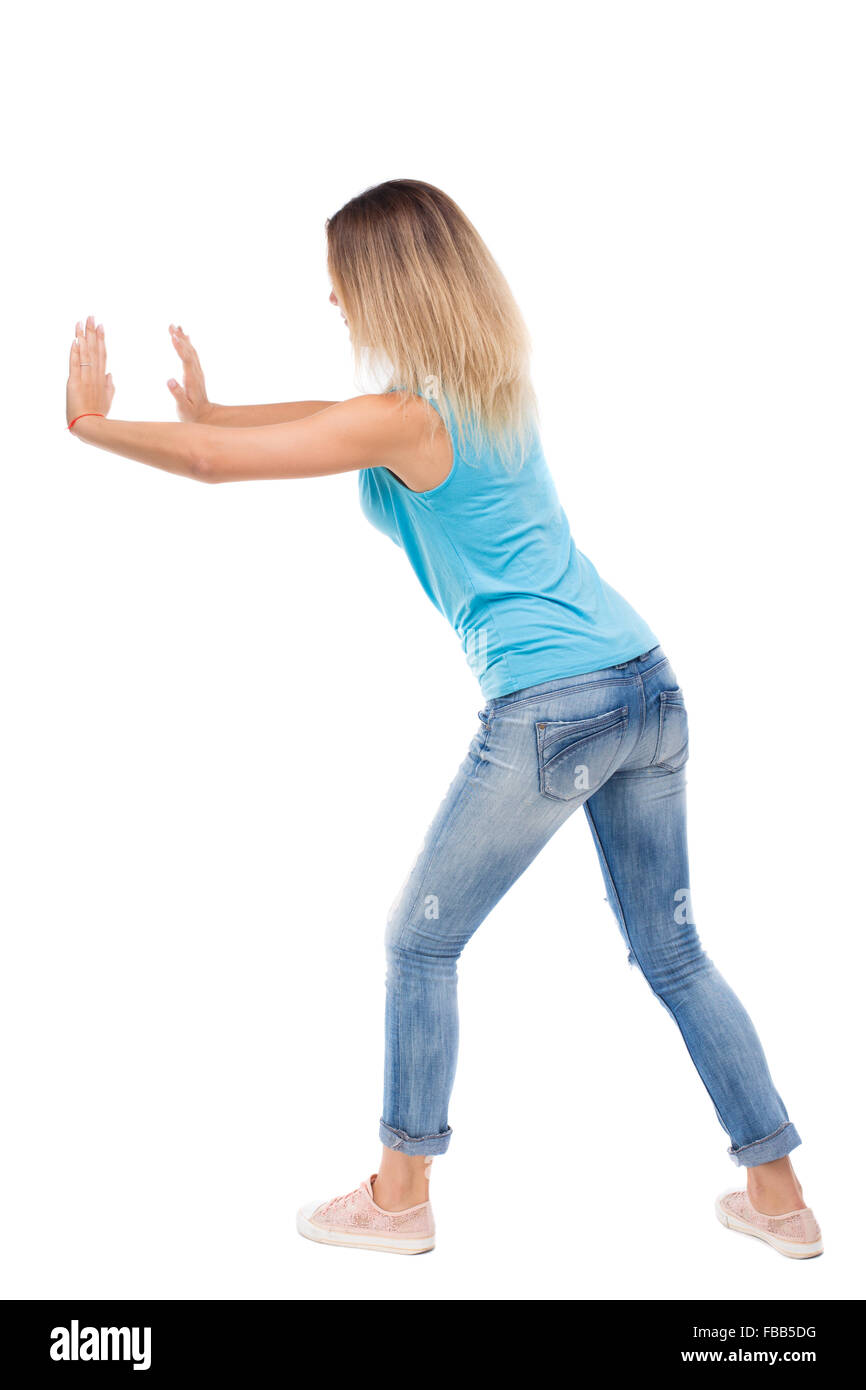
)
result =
(615, 742)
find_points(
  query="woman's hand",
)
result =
(193, 406)
(90, 389)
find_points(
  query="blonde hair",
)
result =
(425, 299)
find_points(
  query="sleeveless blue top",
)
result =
(493, 551)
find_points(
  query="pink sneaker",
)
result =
(794, 1233)
(356, 1220)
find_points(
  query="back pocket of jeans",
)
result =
(575, 755)
(672, 748)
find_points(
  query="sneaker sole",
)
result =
(394, 1245)
(794, 1249)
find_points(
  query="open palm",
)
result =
(190, 397)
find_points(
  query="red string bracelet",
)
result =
(81, 417)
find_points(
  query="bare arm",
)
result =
(367, 431)
(193, 405)
(363, 432)
(245, 415)
(174, 448)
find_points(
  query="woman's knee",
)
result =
(418, 944)
(672, 967)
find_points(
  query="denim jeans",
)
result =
(615, 742)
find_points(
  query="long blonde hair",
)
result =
(425, 299)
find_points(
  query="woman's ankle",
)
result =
(391, 1197)
(402, 1181)
(774, 1188)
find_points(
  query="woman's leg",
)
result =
(488, 829)
(638, 821)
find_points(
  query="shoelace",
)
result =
(334, 1200)
(428, 1164)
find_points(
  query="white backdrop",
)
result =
(230, 712)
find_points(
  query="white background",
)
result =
(230, 712)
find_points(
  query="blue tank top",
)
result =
(494, 552)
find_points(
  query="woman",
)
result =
(582, 706)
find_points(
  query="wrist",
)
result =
(208, 415)
(84, 426)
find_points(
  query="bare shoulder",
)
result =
(413, 439)
(392, 412)
(385, 429)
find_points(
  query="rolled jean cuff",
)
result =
(426, 1144)
(776, 1145)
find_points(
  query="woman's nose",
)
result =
(332, 298)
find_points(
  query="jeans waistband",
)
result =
(638, 665)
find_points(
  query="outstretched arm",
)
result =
(366, 431)
(280, 413)
(348, 435)
(193, 406)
